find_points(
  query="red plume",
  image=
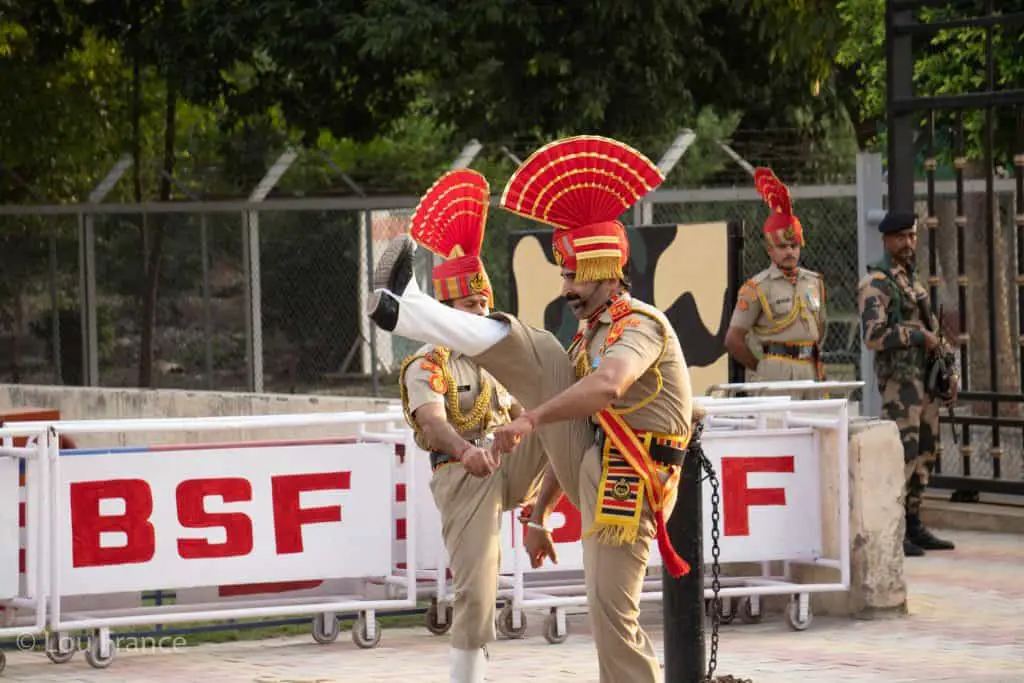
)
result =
(772, 191)
(451, 216)
(580, 181)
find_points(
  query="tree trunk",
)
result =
(154, 254)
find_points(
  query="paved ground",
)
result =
(966, 625)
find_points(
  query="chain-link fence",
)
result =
(307, 327)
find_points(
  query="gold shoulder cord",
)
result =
(773, 327)
(479, 414)
(583, 365)
(404, 395)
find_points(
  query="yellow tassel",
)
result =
(596, 269)
(613, 534)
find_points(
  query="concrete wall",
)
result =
(877, 584)
(82, 403)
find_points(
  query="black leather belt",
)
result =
(660, 453)
(794, 351)
(437, 459)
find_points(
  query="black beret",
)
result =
(896, 221)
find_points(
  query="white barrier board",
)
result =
(9, 528)
(178, 519)
(423, 513)
(770, 507)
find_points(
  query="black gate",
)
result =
(931, 119)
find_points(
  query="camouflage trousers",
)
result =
(916, 414)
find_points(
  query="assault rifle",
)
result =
(938, 365)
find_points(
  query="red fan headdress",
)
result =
(450, 221)
(581, 185)
(782, 225)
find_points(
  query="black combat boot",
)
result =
(393, 273)
(911, 550)
(920, 536)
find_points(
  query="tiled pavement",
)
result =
(966, 625)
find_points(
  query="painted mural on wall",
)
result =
(682, 269)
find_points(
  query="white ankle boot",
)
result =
(467, 666)
(427, 320)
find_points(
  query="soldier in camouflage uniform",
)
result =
(893, 328)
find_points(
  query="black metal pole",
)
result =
(683, 598)
(899, 64)
(735, 267)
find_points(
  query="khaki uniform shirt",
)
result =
(776, 310)
(453, 380)
(642, 338)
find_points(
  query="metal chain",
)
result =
(716, 580)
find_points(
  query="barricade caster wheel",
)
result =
(54, 653)
(360, 636)
(325, 628)
(551, 628)
(94, 656)
(433, 613)
(793, 615)
(505, 624)
(747, 612)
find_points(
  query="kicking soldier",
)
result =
(452, 404)
(783, 305)
(615, 418)
(890, 315)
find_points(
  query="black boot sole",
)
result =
(394, 268)
(912, 550)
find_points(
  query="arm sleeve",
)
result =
(879, 335)
(748, 307)
(636, 339)
(424, 384)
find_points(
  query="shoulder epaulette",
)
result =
(620, 309)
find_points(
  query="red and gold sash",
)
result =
(628, 476)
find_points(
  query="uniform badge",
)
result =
(478, 283)
(437, 384)
(813, 302)
(620, 309)
(621, 489)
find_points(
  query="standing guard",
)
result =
(783, 306)
(894, 314)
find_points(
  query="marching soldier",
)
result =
(615, 417)
(452, 404)
(783, 306)
(893, 303)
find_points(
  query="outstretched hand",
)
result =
(507, 437)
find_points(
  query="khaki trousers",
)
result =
(772, 369)
(471, 509)
(532, 364)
